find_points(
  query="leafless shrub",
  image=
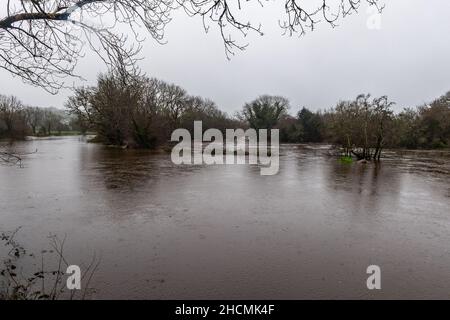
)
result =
(26, 276)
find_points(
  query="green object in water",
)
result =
(346, 159)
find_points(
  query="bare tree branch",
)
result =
(41, 41)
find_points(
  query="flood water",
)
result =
(226, 232)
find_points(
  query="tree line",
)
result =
(137, 111)
(141, 112)
(366, 125)
(18, 120)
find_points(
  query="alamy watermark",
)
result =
(73, 281)
(239, 147)
(374, 280)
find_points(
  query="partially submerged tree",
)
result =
(362, 126)
(381, 125)
(42, 40)
(138, 111)
(10, 157)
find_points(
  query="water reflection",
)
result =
(167, 231)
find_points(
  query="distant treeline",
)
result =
(18, 120)
(364, 126)
(141, 112)
(137, 111)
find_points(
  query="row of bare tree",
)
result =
(142, 112)
(364, 126)
(18, 120)
(137, 111)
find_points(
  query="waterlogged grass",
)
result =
(346, 159)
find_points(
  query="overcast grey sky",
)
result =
(407, 59)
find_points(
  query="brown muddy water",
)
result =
(226, 232)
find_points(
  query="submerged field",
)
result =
(215, 232)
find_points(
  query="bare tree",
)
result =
(12, 118)
(34, 117)
(141, 112)
(42, 40)
(362, 126)
(175, 100)
(265, 111)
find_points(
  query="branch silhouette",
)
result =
(41, 41)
